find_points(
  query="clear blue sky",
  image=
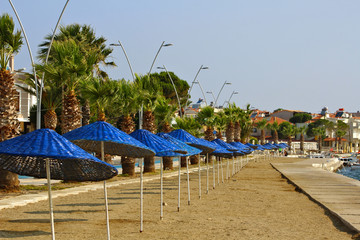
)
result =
(301, 54)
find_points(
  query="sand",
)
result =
(256, 203)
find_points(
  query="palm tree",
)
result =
(51, 99)
(206, 117)
(237, 127)
(302, 130)
(246, 124)
(341, 130)
(230, 117)
(128, 103)
(68, 67)
(164, 113)
(274, 127)
(319, 133)
(220, 123)
(151, 93)
(262, 125)
(289, 131)
(189, 124)
(10, 44)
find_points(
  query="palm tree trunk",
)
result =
(86, 113)
(128, 166)
(262, 138)
(219, 134)
(71, 114)
(302, 138)
(276, 137)
(183, 161)
(9, 124)
(194, 160)
(149, 124)
(289, 143)
(237, 132)
(209, 135)
(50, 119)
(168, 163)
(127, 125)
(230, 132)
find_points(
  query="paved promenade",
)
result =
(337, 193)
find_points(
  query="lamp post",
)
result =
(127, 59)
(163, 44)
(177, 96)
(38, 91)
(225, 83)
(210, 92)
(197, 82)
(234, 92)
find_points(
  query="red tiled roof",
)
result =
(333, 140)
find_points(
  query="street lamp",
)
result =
(210, 92)
(163, 44)
(197, 82)
(225, 83)
(127, 59)
(177, 96)
(234, 92)
(38, 91)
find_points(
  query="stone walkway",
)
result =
(337, 193)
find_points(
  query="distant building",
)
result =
(285, 114)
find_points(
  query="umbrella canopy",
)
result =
(225, 145)
(186, 137)
(270, 145)
(222, 152)
(244, 148)
(161, 147)
(259, 147)
(190, 150)
(251, 145)
(28, 153)
(115, 141)
(284, 145)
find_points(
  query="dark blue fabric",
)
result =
(284, 145)
(186, 137)
(162, 147)
(27, 155)
(225, 145)
(116, 142)
(251, 145)
(190, 150)
(222, 152)
(242, 147)
(270, 145)
(259, 147)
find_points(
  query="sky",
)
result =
(298, 55)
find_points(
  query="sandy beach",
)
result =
(257, 203)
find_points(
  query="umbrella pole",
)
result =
(199, 177)
(222, 170)
(233, 166)
(105, 196)
(218, 168)
(50, 199)
(227, 169)
(161, 189)
(179, 184)
(241, 162)
(188, 180)
(207, 173)
(213, 163)
(141, 195)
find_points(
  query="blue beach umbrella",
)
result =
(259, 147)
(162, 148)
(116, 142)
(190, 152)
(251, 145)
(45, 154)
(102, 137)
(225, 145)
(244, 148)
(187, 138)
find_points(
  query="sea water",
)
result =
(352, 172)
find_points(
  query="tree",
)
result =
(262, 125)
(10, 44)
(288, 131)
(274, 127)
(341, 130)
(230, 113)
(220, 123)
(300, 118)
(246, 124)
(319, 133)
(302, 131)
(206, 117)
(189, 124)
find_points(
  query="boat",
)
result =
(351, 160)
